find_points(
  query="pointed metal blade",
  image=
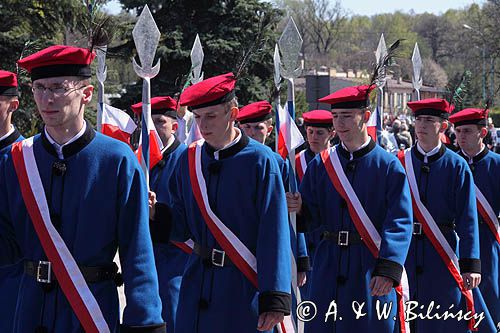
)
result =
(277, 62)
(380, 54)
(417, 68)
(197, 56)
(290, 44)
(101, 63)
(146, 37)
(381, 49)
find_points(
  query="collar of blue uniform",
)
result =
(167, 152)
(476, 158)
(358, 153)
(309, 155)
(231, 151)
(74, 147)
(431, 158)
(10, 139)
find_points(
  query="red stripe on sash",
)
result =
(183, 246)
(487, 219)
(300, 172)
(48, 246)
(441, 251)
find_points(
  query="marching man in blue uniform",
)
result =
(10, 265)
(256, 121)
(358, 194)
(443, 261)
(228, 197)
(170, 258)
(71, 197)
(470, 128)
(8, 104)
(319, 131)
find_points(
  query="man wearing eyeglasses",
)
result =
(443, 259)
(71, 197)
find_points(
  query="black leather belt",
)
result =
(42, 271)
(212, 257)
(342, 238)
(418, 230)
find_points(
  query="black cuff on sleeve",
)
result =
(157, 328)
(303, 264)
(161, 225)
(388, 268)
(275, 301)
(470, 265)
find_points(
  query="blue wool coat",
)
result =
(343, 273)
(98, 205)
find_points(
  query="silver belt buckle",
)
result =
(417, 228)
(222, 254)
(343, 238)
(44, 272)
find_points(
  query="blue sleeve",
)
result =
(396, 230)
(9, 248)
(179, 228)
(136, 252)
(273, 241)
(466, 220)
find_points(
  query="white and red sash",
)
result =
(239, 254)
(435, 235)
(301, 163)
(186, 246)
(65, 268)
(488, 214)
(363, 224)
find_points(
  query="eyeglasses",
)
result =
(57, 90)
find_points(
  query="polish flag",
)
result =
(194, 133)
(371, 125)
(117, 124)
(289, 136)
(149, 141)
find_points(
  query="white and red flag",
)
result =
(289, 136)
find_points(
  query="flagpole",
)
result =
(290, 45)
(101, 77)
(277, 100)
(146, 38)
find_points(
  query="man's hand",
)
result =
(380, 285)
(301, 279)
(294, 202)
(152, 202)
(471, 280)
(268, 320)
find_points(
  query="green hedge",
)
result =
(495, 115)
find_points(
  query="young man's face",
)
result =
(165, 126)
(427, 128)
(469, 137)
(216, 122)
(258, 131)
(60, 100)
(318, 138)
(349, 124)
(8, 104)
